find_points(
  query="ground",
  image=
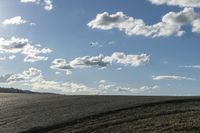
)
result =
(98, 114)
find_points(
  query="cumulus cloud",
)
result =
(24, 46)
(181, 3)
(64, 88)
(171, 23)
(18, 20)
(133, 60)
(34, 78)
(107, 86)
(171, 77)
(80, 62)
(47, 4)
(29, 75)
(4, 78)
(196, 26)
(14, 21)
(100, 61)
(88, 61)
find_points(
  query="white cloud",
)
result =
(100, 61)
(171, 77)
(181, 3)
(32, 24)
(80, 62)
(11, 57)
(119, 69)
(47, 4)
(139, 90)
(3, 58)
(186, 16)
(18, 20)
(171, 23)
(102, 81)
(28, 1)
(111, 42)
(108, 86)
(68, 72)
(4, 78)
(192, 66)
(24, 46)
(46, 50)
(94, 44)
(196, 26)
(63, 88)
(57, 73)
(88, 61)
(29, 75)
(33, 78)
(35, 58)
(133, 60)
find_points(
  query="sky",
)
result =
(140, 47)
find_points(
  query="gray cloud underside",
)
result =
(25, 47)
(101, 61)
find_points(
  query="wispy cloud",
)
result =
(94, 44)
(110, 86)
(171, 77)
(191, 66)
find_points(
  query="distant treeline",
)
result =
(13, 90)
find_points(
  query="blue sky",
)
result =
(103, 47)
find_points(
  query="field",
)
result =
(96, 114)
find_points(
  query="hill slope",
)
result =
(56, 113)
(13, 90)
(161, 117)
